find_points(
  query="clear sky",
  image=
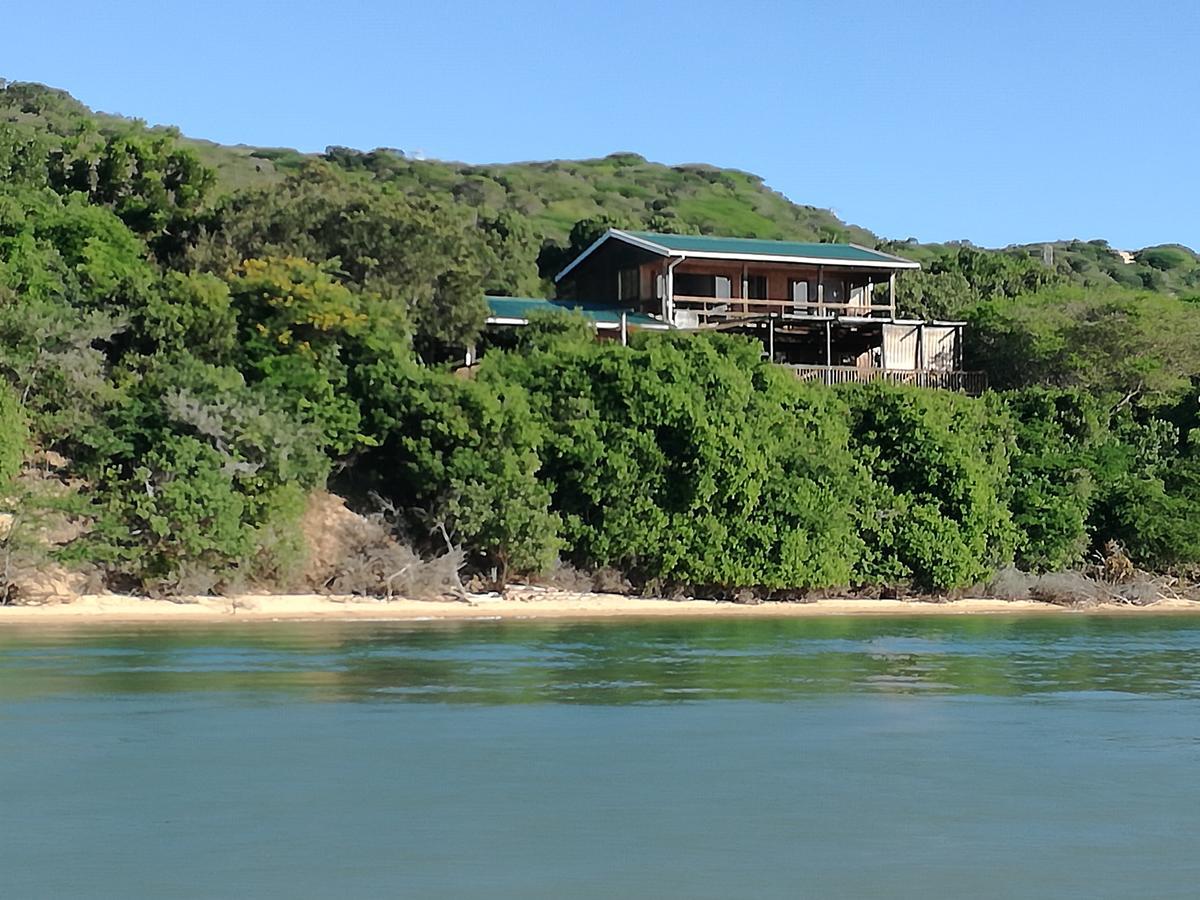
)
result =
(997, 122)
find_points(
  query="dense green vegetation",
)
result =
(13, 435)
(955, 276)
(205, 336)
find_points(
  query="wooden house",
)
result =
(826, 310)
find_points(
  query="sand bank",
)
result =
(515, 604)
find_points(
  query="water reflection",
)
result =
(604, 663)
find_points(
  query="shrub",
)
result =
(938, 510)
(380, 566)
(462, 455)
(1052, 483)
(1067, 589)
(688, 460)
(194, 470)
(1010, 583)
(14, 435)
(174, 509)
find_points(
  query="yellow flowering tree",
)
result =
(298, 326)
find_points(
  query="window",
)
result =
(756, 287)
(798, 288)
(689, 284)
(627, 284)
(834, 290)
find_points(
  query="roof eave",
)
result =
(896, 263)
(906, 263)
(619, 235)
(595, 323)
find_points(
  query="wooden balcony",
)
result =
(719, 310)
(973, 383)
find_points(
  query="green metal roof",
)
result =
(698, 243)
(705, 246)
(600, 313)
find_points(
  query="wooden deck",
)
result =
(724, 309)
(973, 383)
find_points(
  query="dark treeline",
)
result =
(190, 361)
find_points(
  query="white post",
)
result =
(669, 300)
(668, 283)
(624, 328)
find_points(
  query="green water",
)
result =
(807, 758)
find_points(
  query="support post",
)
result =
(828, 344)
(666, 292)
(820, 290)
(624, 328)
(669, 299)
(771, 339)
(892, 293)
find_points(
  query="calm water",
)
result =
(903, 758)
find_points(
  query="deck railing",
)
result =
(967, 382)
(723, 309)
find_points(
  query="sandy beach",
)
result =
(515, 604)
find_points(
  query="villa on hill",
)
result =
(828, 311)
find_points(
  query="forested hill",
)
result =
(548, 199)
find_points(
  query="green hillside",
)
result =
(552, 195)
(622, 188)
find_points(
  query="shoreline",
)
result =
(516, 605)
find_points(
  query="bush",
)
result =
(1167, 258)
(1052, 483)
(1010, 583)
(194, 470)
(1067, 589)
(937, 514)
(175, 509)
(688, 460)
(461, 455)
(14, 435)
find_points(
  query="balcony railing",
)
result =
(966, 382)
(722, 309)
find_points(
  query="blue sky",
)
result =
(997, 122)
